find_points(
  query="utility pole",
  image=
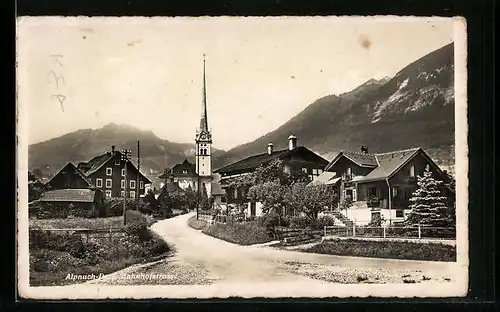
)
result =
(137, 182)
(125, 155)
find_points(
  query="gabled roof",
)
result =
(71, 166)
(252, 162)
(185, 169)
(172, 187)
(69, 195)
(360, 159)
(389, 164)
(97, 162)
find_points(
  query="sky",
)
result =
(147, 72)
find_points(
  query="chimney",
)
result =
(292, 142)
(364, 149)
(113, 148)
(270, 148)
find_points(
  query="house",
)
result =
(69, 177)
(107, 173)
(295, 158)
(72, 200)
(380, 183)
(184, 174)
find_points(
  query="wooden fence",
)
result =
(99, 233)
(415, 232)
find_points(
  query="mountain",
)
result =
(413, 108)
(82, 145)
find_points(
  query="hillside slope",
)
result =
(156, 154)
(414, 108)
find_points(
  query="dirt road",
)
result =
(201, 259)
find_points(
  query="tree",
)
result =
(272, 195)
(35, 187)
(151, 201)
(429, 203)
(204, 201)
(310, 199)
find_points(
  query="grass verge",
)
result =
(393, 250)
(247, 233)
(196, 223)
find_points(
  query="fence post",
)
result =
(353, 229)
(324, 228)
(419, 232)
(384, 230)
(110, 234)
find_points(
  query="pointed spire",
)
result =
(204, 118)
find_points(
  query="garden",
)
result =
(55, 254)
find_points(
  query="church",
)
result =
(198, 176)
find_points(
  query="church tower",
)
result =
(204, 144)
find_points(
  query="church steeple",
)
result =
(204, 118)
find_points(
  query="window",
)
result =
(412, 171)
(304, 170)
(315, 171)
(132, 184)
(109, 171)
(400, 214)
(320, 171)
(122, 193)
(117, 161)
(141, 184)
(184, 171)
(122, 184)
(348, 171)
(354, 195)
(123, 172)
(98, 182)
(108, 193)
(372, 191)
(394, 191)
(427, 167)
(109, 183)
(132, 194)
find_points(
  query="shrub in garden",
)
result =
(299, 222)
(325, 220)
(138, 230)
(247, 233)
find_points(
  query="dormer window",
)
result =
(184, 171)
(117, 161)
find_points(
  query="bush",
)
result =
(247, 233)
(134, 216)
(299, 222)
(325, 220)
(197, 224)
(138, 230)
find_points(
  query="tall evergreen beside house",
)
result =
(429, 205)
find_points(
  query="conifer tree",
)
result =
(428, 203)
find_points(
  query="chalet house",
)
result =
(380, 183)
(295, 158)
(72, 200)
(184, 174)
(107, 173)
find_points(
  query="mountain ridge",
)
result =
(413, 108)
